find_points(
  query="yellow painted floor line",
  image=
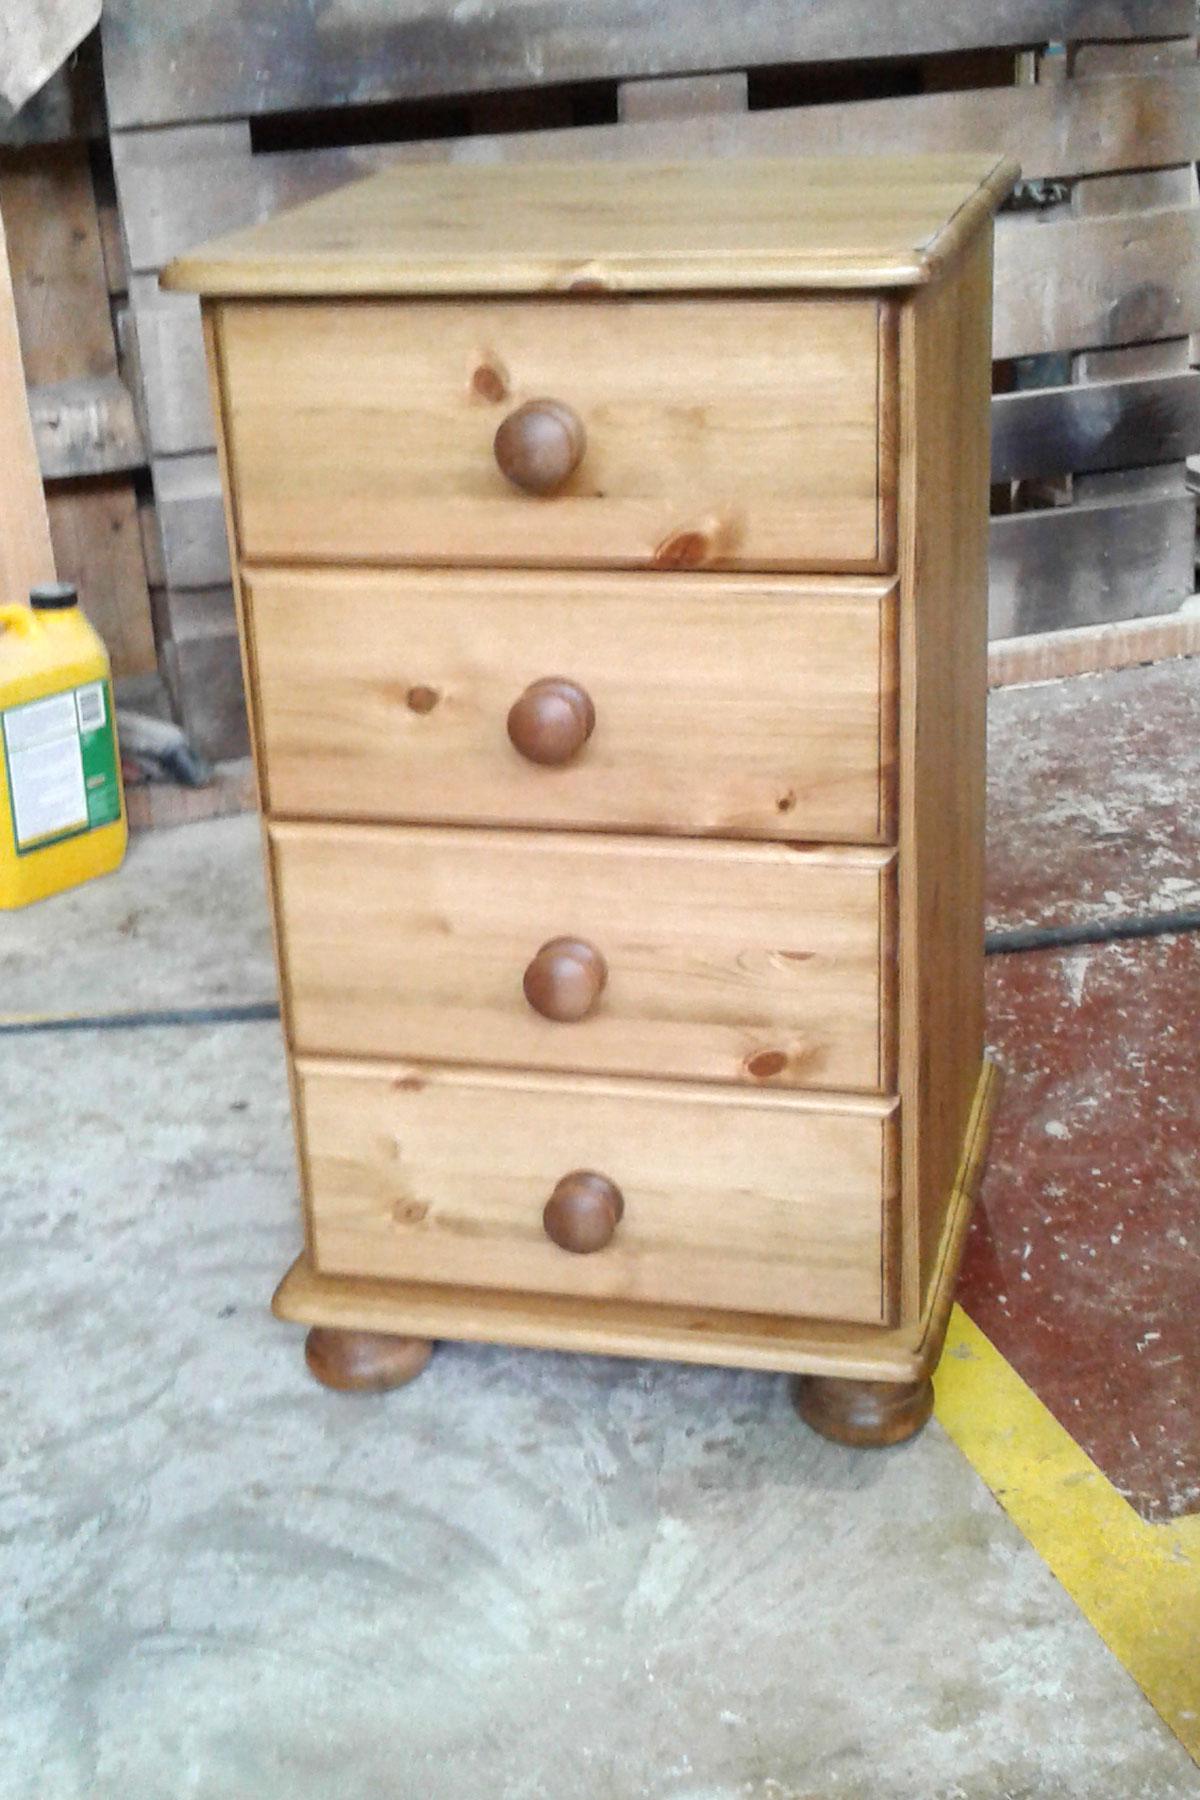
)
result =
(1137, 1584)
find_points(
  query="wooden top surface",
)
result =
(631, 227)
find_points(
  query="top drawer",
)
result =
(738, 434)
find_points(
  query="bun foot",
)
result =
(865, 1414)
(364, 1362)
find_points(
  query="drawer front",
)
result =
(723, 706)
(740, 434)
(755, 963)
(767, 1203)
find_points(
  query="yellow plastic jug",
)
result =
(62, 804)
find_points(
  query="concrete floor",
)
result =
(527, 1577)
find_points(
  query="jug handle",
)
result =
(21, 619)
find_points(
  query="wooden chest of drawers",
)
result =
(610, 544)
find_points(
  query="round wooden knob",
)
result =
(540, 445)
(583, 1212)
(565, 979)
(552, 721)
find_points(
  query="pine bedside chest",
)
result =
(611, 552)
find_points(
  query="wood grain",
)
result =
(904, 1352)
(85, 426)
(26, 557)
(1053, 129)
(751, 964)
(720, 434)
(724, 706)
(944, 381)
(1093, 649)
(1070, 566)
(434, 1170)
(97, 540)
(768, 1204)
(167, 60)
(62, 304)
(1101, 425)
(1060, 284)
(622, 227)
(1064, 285)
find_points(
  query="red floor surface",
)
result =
(1083, 1265)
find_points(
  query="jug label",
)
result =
(60, 757)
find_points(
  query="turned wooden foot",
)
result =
(865, 1414)
(364, 1362)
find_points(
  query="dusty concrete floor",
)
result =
(528, 1577)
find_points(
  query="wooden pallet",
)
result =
(1095, 292)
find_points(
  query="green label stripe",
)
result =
(101, 778)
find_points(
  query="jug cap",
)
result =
(53, 596)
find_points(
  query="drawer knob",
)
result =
(583, 1212)
(565, 979)
(552, 721)
(540, 445)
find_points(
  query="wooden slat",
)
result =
(1083, 565)
(768, 1202)
(97, 541)
(1125, 362)
(1105, 425)
(944, 379)
(26, 557)
(112, 239)
(1064, 285)
(58, 264)
(66, 334)
(1115, 57)
(1091, 649)
(1056, 129)
(1125, 195)
(740, 433)
(725, 706)
(682, 96)
(187, 183)
(183, 185)
(169, 60)
(85, 426)
(1097, 196)
(753, 964)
